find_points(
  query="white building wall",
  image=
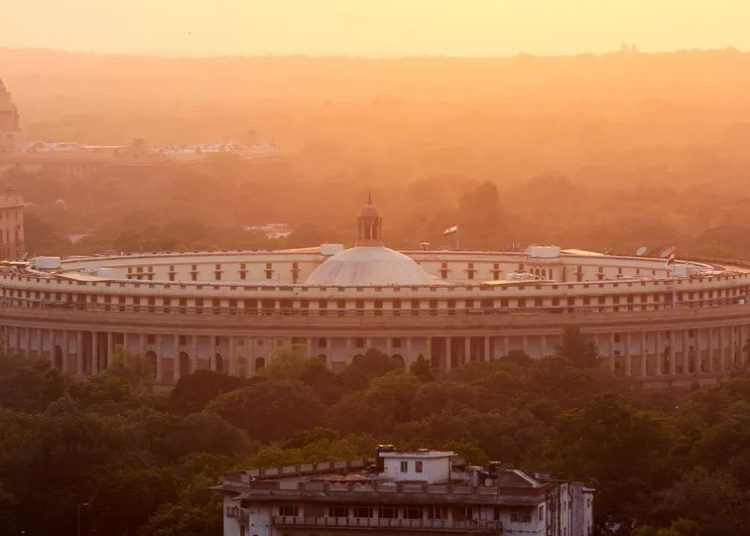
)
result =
(433, 469)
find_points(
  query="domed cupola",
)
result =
(370, 225)
(369, 263)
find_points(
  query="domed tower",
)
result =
(369, 262)
(8, 119)
(370, 226)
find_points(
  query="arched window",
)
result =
(260, 363)
(219, 363)
(152, 361)
(399, 360)
(184, 364)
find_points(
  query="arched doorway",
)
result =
(399, 361)
(241, 367)
(184, 364)
(152, 362)
(260, 363)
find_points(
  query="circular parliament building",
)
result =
(672, 323)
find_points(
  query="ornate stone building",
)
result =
(663, 324)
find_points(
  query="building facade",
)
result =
(12, 242)
(406, 493)
(673, 325)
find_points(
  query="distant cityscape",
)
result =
(80, 159)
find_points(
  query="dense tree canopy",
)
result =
(144, 462)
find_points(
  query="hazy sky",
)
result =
(373, 27)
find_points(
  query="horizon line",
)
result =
(165, 56)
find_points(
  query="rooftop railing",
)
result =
(12, 303)
(363, 523)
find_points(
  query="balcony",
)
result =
(370, 523)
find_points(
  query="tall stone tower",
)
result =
(9, 125)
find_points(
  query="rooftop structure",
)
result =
(403, 493)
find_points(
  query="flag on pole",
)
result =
(451, 230)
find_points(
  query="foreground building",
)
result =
(665, 324)
(416, 492)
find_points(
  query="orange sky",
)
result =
(373, 27)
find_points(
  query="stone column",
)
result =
(141, 344)
(486, 356)
(644, 354)
(176, 367)
(467, 350)
(194, 355)
(160, 359)
(672, 353)
(628, 355)
(231, 359)
(27, 350)
(658, 355)
(40, 342)
(732, 347)
(448, 353)
(79, 352)
(686, 351)
(66, 352)
(110, 346)
(94, 352)
(409, 358)
(722, 349)
(612, 358)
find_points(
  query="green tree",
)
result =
(270, 410)
(577, 348)
(194, 391)
(624, 451)
(421, 369)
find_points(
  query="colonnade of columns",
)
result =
(644, 354)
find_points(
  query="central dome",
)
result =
(369, 263)
(364, 266)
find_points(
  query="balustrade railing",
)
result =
(434, 525)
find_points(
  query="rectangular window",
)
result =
(338, 511)
(387, 512)
(289, 510)
(404, 467)
(418, 466)
(362, 511)
(412, 512)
